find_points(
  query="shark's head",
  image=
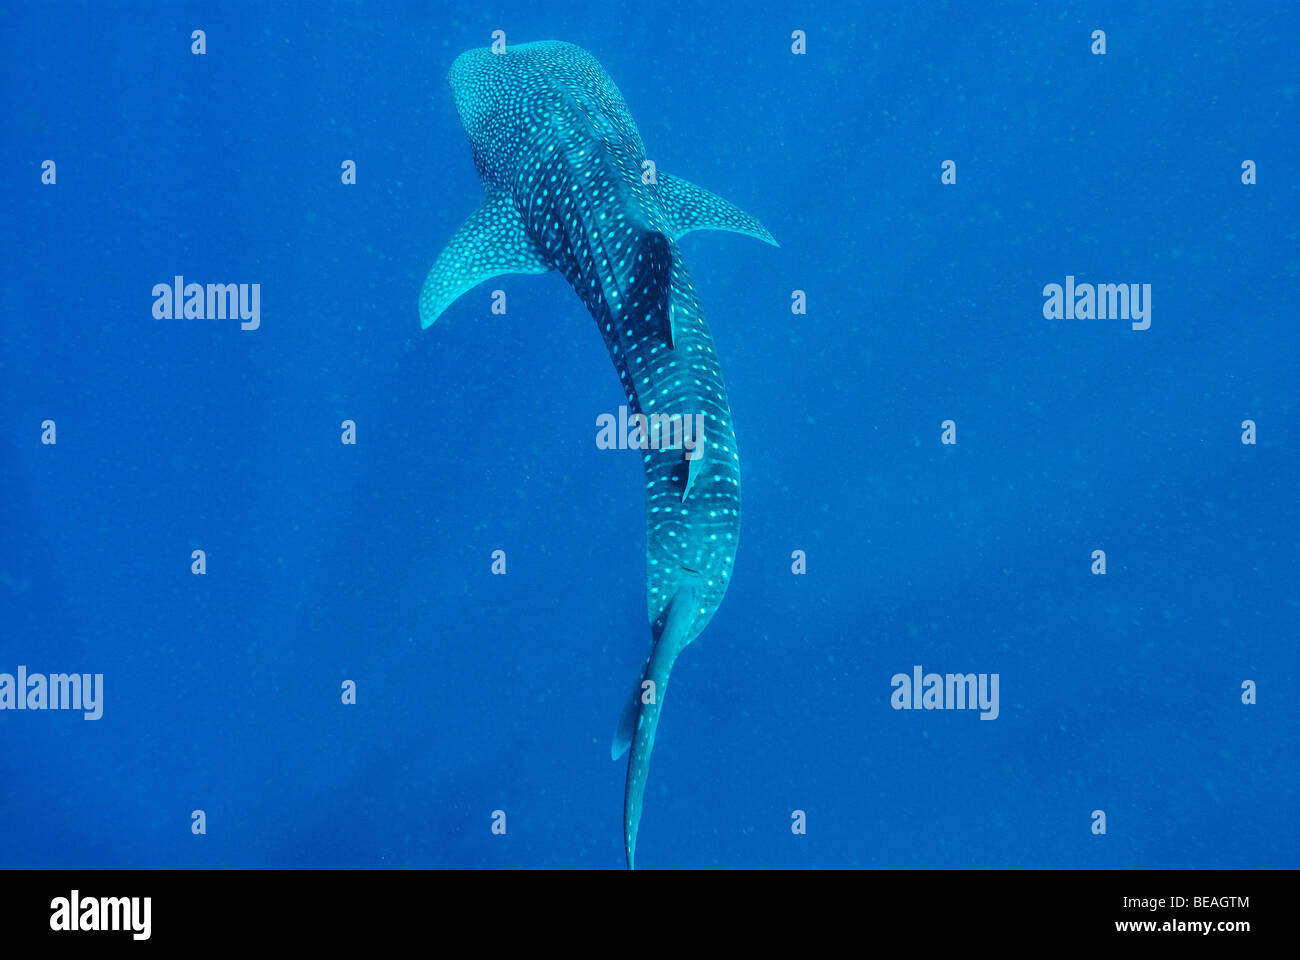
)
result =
(476, 79)
(494, 90)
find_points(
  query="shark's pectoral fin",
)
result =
(694, 208)
(490, 243)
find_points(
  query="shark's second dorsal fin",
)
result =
(693, 208)
(490, 243)
(693, 467)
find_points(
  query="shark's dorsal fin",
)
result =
(490, 243)
(694, 208)
(646, 299)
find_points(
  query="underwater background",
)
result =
(371, 562)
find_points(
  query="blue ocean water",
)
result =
(370, 563)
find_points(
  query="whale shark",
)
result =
(568, 187)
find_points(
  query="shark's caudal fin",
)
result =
(694, 208)
(627, 723)
(640, 719)
(490, 243)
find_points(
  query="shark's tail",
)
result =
(640, 717)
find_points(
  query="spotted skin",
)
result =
(561, 164)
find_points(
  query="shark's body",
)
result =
(561, 163)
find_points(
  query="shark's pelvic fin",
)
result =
(694, 208)
(675, 633)
(490, 243)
